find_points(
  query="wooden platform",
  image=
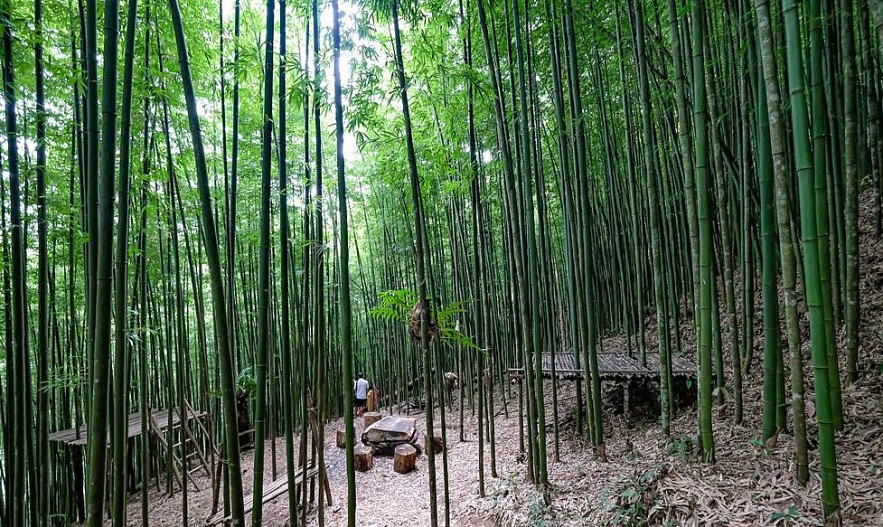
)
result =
(611, 366)
(272, 490)
(161, 418)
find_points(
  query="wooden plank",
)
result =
(161, 416)
(271, 491)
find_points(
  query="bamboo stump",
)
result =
(363, 459)
(341, 438)
(436, 443)
(405, 459)
(371, 417)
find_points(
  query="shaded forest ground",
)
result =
(647, 480)
(385, 498)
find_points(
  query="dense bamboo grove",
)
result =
(540, 174)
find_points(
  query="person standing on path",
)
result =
(373, 398)
(361, 394)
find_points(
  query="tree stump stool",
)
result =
(371, 417)
(435, 443)
(341, 438)
(405, 458)
(363, 458)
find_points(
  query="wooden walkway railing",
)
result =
(611, 366)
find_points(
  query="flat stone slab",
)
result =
(389, 432)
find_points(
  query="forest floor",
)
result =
(645, 479)
(384, 497)
(648, 479)
(651, 480)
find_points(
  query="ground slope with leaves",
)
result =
(652, 480)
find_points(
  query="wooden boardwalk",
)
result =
(277, 488)
(611, 366)
(273, 490)
(78, 436)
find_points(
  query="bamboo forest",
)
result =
(389, 263)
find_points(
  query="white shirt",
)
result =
(361, 389)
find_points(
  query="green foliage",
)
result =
(245, 381)
(381, 219)
(64, 377)
(681, 446)
(790, 514)
(455, 338)
(761, 447)
(538, 511)
(396, 305)
(60, 518)
(633, 511)
(632, 503)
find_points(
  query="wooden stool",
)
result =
(370, 418)
(436, 443)
(405, 458)
(341, 438)
(363, 458)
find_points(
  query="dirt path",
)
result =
(388, 499)
(384, 497)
